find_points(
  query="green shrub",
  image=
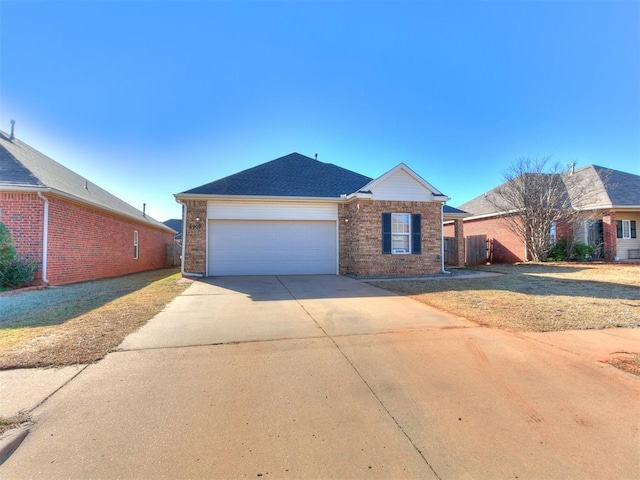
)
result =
(7, 247)
(559, 252)
(582, 251)
(565, 249)
(14, 270)
(17, 271)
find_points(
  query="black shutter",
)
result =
(416, 233)
(386, 233)
(619, 228)
(633, 229)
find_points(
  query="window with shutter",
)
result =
(401, 233)
(416, 237)
(386, 233)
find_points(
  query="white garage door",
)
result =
(268, 247)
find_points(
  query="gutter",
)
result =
(184, 242)
(45, 236)
(442, 240)
(144, 220)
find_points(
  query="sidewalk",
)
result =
(23, 390)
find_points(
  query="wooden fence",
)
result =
(174, 253)
(450, 251)
(477, 249)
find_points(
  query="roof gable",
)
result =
(402, 183)
(589, 187)
(293, 175)
(23, 167)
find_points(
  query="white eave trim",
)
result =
(494, 214)
(52, 191)
(610, 207)
(453, 216)
(256, 198)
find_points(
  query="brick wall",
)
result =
(23, 214)
(84, 243)
(195, 241)
(360, 224)
(609, 236)
(506, 246)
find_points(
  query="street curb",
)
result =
(10, 441)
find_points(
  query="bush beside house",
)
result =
(72, 229)
(14, 270)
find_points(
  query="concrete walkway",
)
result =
(327, 377)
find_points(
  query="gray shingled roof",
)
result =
(621, 188)
(24, 168)
(447, 209)
(596, 186)
(483, 204)
(293, 175)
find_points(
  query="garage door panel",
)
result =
(272, 247)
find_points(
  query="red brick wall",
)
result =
(84, 243)
(361, 239)
(22, 213)
(506, 246)
(609, 235)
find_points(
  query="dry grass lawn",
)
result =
(537, 297)
(540, 298)
(80, 323)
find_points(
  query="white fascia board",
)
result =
(489, 215)
(402, 166)
(611, 207)
(22, 189)
(357, 195)
(257, 198)
(68, 196)
(453, 216)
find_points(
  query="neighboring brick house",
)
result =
(75, 230)
(609, 203)
(296, 215)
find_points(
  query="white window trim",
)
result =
(136, 250)
(397, 234)
(626, 229)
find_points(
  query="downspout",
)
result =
(184, 241)
(442, 239)
(45, 237)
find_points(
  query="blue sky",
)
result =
(151, 98)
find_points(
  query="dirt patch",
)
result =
(7, 423)
(81, 323)
(629, 362)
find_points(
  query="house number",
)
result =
(195, 226)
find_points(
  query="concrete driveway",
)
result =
(328, 377)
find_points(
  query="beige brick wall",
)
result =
(360, 224)
(195, 241)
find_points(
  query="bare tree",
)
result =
(536, 196)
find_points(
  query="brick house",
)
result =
(75, 230)
(609, 207)
(296, 215)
